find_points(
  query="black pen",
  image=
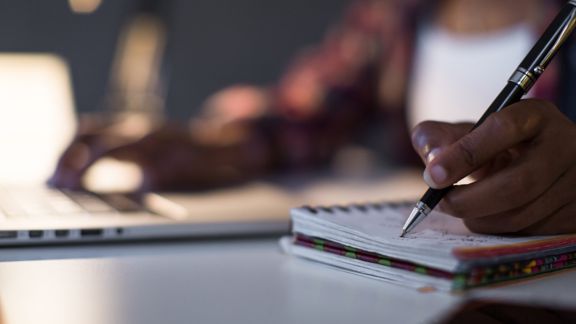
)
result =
(518, 85)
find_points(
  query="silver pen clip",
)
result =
(525, 78)
(566, 31)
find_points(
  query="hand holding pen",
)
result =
(525, 156)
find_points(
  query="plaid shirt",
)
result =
(360, 74)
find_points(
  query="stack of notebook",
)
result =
(440, 253)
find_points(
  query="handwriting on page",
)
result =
(438, 229)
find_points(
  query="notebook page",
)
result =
(377, 230)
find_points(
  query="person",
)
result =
(398, 61)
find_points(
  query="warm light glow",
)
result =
(84, 6)
(109, 175)
(36, 116)
(136, 67)
(166, 207)
(59, 294)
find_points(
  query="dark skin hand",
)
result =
(170, 159)
(523, 159)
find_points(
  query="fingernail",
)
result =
(432, 154)
(435, 175)
(420, 142)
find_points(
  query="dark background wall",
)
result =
(212, 43)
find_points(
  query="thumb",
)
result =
(429, 138)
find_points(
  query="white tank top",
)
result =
(457, 77)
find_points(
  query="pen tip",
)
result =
(403, 233)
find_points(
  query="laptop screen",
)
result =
(37, 118)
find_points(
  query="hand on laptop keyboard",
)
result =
(170, 159)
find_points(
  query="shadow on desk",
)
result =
(492, 312)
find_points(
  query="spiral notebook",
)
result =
(439, 254)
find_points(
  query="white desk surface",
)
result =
(235, 281)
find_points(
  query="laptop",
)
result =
(37, 121)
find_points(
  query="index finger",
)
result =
(505, 129)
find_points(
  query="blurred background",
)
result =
(61, 59)
(201, 46)
(163, 84)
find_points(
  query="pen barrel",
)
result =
(433, 196)
(511, 93)
(533, 65)
(549, 43)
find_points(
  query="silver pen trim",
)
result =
(524, 78)
(564, 34)
(416, 216)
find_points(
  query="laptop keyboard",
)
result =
(43, 202)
